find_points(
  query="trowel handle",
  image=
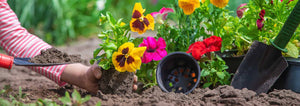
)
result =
(288, 29)
(6, 61)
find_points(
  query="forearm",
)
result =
(18, 42)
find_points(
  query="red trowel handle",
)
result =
(6, 61)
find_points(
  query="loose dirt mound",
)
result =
(223, 95)
(53, 55)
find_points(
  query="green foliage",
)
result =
(205, 21)
(147, 74)
(17, 100)
(115, 36)
(76, 99)
(57, 21)
(45, 102)
(4, 92)
(240, 33)
(214, 73)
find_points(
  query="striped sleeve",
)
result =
(18, 42)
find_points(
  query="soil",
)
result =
(36, 86)
(116, 82)
(52, 55)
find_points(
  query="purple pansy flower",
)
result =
(156, 50)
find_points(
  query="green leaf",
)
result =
(96, 52)
(108, 53)
(119, 21)
(111, 46)
(204, 72)
(4, 102)
(105, 64)
(207, 84)
(101, 36)
(99, 103)
(111, 19)
(92, 61)
(2, 91)
(86, 98)
(213, 70)
(221, 75)
(292, 50)
(76, 96)
(66, 99)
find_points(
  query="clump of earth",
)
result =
(53, 55)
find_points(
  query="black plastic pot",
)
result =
(290, 78)
(178, 72)
(233, 62)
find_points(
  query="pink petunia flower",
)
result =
(241, 9)
(156, 50)
(162, 14)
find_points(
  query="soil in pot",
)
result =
(52, 55)
(115, 82)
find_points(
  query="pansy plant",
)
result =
(128, 58)
(140, 23)
(117, 51)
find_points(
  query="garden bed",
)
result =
(36, 87)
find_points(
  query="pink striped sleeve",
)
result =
(18, 42)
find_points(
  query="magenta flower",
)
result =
(162, 14)
(156, 50)
(240, 10)
(288, 2)
(259, 22)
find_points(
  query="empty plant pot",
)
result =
(289, 79)
(178, 72)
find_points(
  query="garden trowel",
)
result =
(7, 62)
(263, 64)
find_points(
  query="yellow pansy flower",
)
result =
(139, 23)
(128, 58)
(219, 3)
(188, 6)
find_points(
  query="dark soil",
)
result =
(36, 86)
(116, 82)
(223, 95)
(53, 55)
